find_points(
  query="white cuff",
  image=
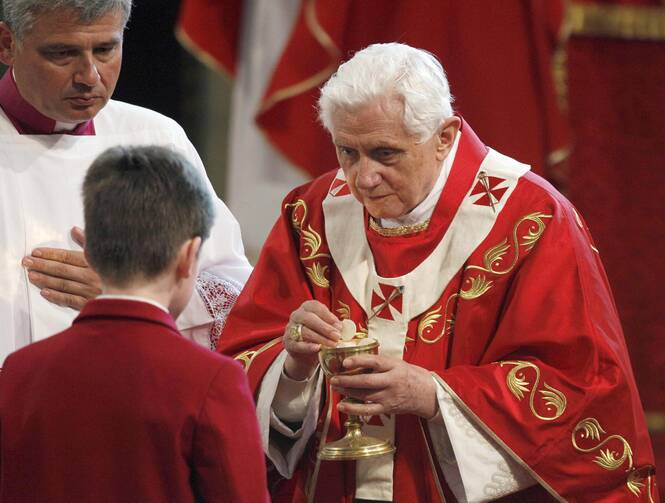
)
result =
(285, 457)
(292, 397)
(476, 468)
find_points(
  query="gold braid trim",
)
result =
(402, 230)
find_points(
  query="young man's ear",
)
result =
(7, 44)
(187, 259)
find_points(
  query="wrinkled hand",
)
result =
(319, 327)
(393, 387)
(64, 276)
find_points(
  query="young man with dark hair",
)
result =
(120, 407)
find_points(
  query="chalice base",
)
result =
(355, 445)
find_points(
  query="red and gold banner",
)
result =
(211, 30)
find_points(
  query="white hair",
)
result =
(20, 15)
(412, 75)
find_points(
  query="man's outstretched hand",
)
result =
(64, 276)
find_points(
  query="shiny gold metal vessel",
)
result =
(355, 444)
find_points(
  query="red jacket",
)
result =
(120, 407)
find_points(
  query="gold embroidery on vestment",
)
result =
(311, 244)
(317, 273)
(490, 433)
(344, 311)
(402, 230)
(246, 358)
(479, 285)
(636, 482)
(589, 429)
(345, 314)
(555, 400)
(493, 258)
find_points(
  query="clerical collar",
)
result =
(27, 119)
(420, 215)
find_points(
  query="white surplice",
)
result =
(40, 198)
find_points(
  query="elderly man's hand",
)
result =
(309, 327)
(64, 276)
(393, 387)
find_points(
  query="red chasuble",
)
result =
(505, 301)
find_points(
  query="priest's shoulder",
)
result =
(314, 191)
(118, 116)
(534, 190)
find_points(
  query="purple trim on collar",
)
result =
(26, 118)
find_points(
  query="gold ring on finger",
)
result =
(295, 332)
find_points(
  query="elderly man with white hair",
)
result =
(502, 372)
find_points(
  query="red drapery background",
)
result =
(505, 61)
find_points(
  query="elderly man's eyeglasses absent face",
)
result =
(388, 171)
(64, 68)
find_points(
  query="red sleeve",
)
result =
(554, 383)
(278, 285)
(227, 456)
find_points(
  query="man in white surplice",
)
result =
(64, 58)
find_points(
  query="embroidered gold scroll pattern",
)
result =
(636, 482)
(246, 358)
(479, 285)
(311, 244)
(518, 384)
(493, 259)
(590, 430)
(344, 312)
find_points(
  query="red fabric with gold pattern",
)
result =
(525, 334)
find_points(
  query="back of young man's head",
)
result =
(140, 205)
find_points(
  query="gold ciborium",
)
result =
(354, 444)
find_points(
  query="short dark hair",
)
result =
(140, 205)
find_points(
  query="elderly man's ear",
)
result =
(447, 135)
(6, 44)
